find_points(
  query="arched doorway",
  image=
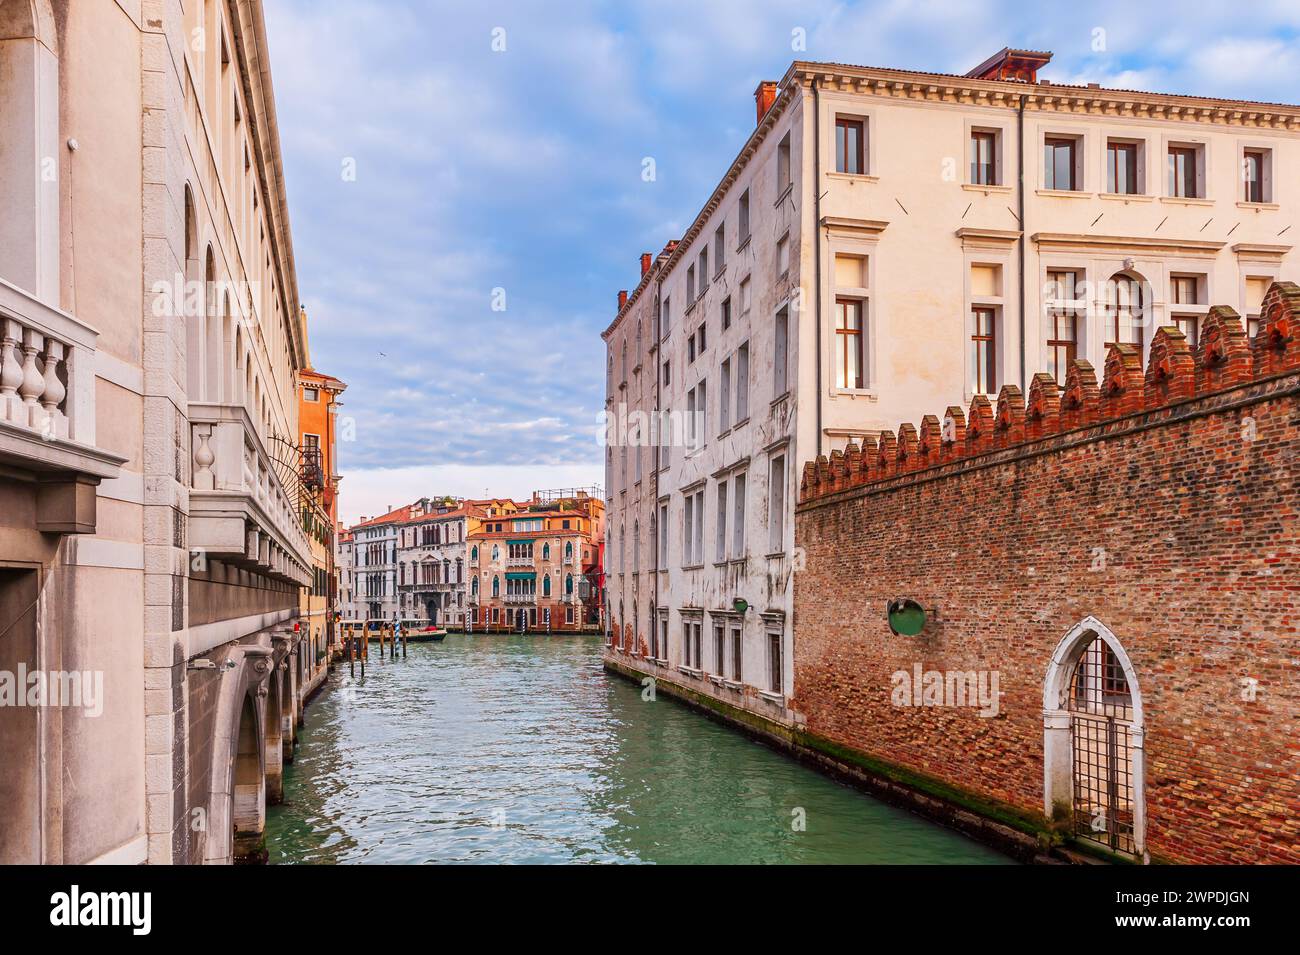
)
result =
(248, 811)
(1093, 740)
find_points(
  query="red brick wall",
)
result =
(1165, 505)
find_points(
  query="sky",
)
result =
(466, 192)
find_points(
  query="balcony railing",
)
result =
(239, 509)
(47, 405)
(519, 562)
(521, 598)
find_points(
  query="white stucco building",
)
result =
(888, 242)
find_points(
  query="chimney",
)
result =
(764, 97)
(645, 263)
(622, 299)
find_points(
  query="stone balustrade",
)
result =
(239, 510)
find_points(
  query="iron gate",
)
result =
(1101, 715)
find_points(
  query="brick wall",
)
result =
(1164, 504)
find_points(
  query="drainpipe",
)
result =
(654, 501)
(1020, 150)
(817, 247)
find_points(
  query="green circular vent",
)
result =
(906, 617)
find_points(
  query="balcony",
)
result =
(47, 410)
(519, 562)
(239, 509)
(521, 598)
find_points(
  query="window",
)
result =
(1125, 308)
(693, 527)
(780, 382)
(662, 563)
(724, 397)
(983, 157)
(1256, 289)
(738, 516)
(735, 652)
(776, 506)
(1184, 172)
(1122, 168)
(719, 648)
(701, 336)
(783, 166)
(726, 313)
(691, 644)
(743, 230)
(742, 382)
(783, 256)
(703, 272)
(983, 350)
(850, 139)
(1062, 322)
(745, 288)
(664, 313)
(690, 287)
(690, 350)
(1059, 164)
(1185, 291)
(720, 553)
(668, 378)
(310, 394)
(775, 678)
(1257, 175)
(719, 247)
(848, 343)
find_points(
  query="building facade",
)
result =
(151, 342)
(887, 242)
(433, 548)
(375, 594)
(531, 568)
(1107, 651)
(318, 490)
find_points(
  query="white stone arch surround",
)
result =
(1058, 742)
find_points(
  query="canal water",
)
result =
(522, 749)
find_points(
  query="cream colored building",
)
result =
(151, 338)
(891, 242)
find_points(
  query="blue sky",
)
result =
(478, 169)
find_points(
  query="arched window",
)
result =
(568, 550)
(568, 585)
(496, 587)
(546, 586)
(546, 552)
(1125, 309)
(496, 553)
(473, 586)
(473, 553)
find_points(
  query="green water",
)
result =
(522, 749)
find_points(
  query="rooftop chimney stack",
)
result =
(645, 263)
(622, 299)
(764, 97)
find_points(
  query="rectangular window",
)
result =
(850, 140)
(688, 529)
(703, 272)
(848, 343)
(719, 247)
(1254, 171)
(667, 375)
(983, 158)
(1062, 322)
(983, 351)
(1122, 168)
(783, 166)
(783, 256)
(690, 287)
(662, 653)
(776, 506)
(1125, 308)
(664, 313)
(742, 382)
(310, 394)
(1256, 289)
(720, 551)
(743, 231)
(726, 313)
(1183, 171)
(738, 516)
(663, 536)
(719, 648)
(780, 382)
(1059, 164)
(724, 397)
(775, 677)
(702, 338)
(735, 653)
(697, 557)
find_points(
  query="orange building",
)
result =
(533, 570)
(318, 481)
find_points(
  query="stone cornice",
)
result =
(1042, 96)
(1125, 243)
